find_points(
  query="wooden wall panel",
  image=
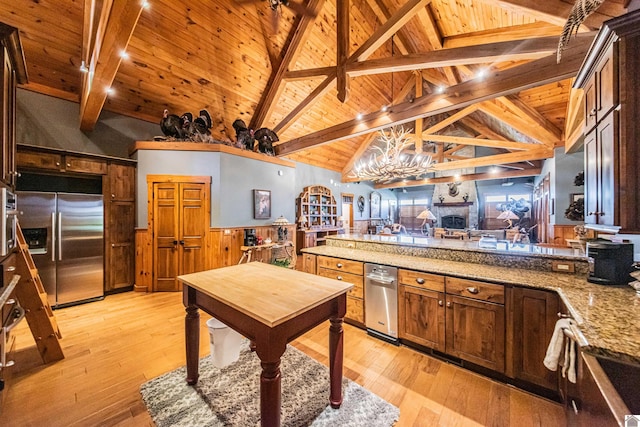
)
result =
(144, 261)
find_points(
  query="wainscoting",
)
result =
(222, 248)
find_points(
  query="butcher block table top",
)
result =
(268, 293)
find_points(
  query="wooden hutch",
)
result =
(318, 206)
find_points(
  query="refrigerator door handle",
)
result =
(59, 236)
(53, 236)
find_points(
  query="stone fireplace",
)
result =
(455, 204)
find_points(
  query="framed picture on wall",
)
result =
(261, 204)
(375, 201)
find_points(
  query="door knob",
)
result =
(182, 242)
(175, 243)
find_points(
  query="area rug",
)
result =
(230, 396)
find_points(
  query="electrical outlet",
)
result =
(563, 267)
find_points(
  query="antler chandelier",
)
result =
(391, 162)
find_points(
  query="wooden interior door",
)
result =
(166, 217)
(347, 212)
(180, 222)
(193, 224)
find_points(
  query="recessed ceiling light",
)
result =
(145, 4)
(124, 55)
(110, 91)
(385, 108)
(440, 89)
(359, 116)
(481, 74)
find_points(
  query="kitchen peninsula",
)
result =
(450, 292)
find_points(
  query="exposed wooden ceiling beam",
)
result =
(403, 38)
(540, 123)
(389, 28)
(465, 177)
(512, 80)
(519, 122)
(297, 39)
(342, 50)
(482, 129)
(516, 32)
(399, 18)
(556, 11)
(497, 159)
(117, 22)
(479, 142)
(533, 48)
(451, 119)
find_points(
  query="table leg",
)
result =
(270, 394)
(192, 340)
(335, 361)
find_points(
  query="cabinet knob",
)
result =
(339, 277)
(113, 196)
(68, 165)
(57, 163)
(440, 303)
(449, 304)
(473, 290)
(592, 113)
(113, 245)
(420, 281)
(339, 265)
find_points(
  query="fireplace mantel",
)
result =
(453, 204)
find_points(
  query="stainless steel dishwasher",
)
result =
(381, 301)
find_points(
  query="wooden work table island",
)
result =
(271, 306)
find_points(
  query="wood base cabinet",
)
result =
(421, 310)
(533, 314)
(349, 271)
(460, 317)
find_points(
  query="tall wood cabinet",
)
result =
(609, 77)
(118, 189)
(12, 72)
(120, 211)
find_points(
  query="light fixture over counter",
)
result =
(391, 161)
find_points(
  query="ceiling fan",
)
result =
(276, 6)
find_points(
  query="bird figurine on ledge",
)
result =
(266, 138)
(171, 125)
(244, 136)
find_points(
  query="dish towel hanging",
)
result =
(569, 364)
(554, 350)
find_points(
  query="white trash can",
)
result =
(224, 343)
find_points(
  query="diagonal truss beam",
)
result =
(274, 88)
(399, 18)
(506, 82)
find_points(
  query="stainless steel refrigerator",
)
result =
(65, 233)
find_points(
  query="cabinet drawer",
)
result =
(355, 309)
(421, 280)
(476, 290)
(354, 279)
(80, 164)
(39, 160)
(354, 267)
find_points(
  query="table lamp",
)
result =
(302, 221)
(508, 216)
(280, 222)
(425, 215)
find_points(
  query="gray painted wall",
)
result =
(51, 122)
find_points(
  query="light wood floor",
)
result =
(115, 345)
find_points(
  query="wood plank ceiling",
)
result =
(419, 57)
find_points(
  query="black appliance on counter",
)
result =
(609, 262)
(250, 238)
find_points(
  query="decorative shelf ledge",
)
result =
(453, 204)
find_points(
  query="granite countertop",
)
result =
(502, 246)
(608, 317)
